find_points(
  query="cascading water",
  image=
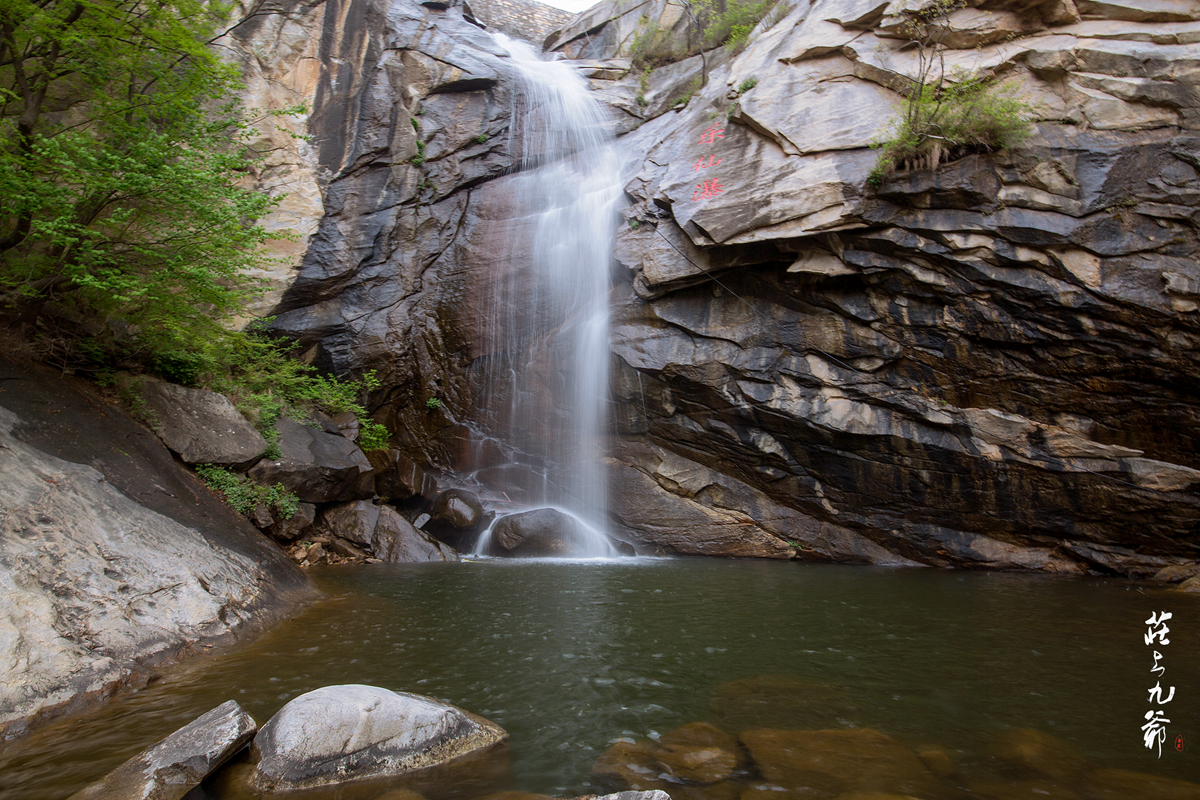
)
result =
(545, 384)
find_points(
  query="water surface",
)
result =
(569, 657)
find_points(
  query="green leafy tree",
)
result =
(121, 160)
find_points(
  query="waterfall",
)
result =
(545, 386)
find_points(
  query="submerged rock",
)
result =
(353, 732)
(838, 761)
(694, 755)
(178, 763)
(1030, 753)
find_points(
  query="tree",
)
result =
(120, 162)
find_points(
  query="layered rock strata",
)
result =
(983, 364)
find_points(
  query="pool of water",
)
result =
(570, 657)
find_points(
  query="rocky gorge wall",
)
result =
(991, 363)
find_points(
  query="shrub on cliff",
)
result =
(945, 116)
(974, 116)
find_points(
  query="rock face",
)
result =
(202, 427)
(177, 764)
(353, 732)
(95, 587)
(983, 364)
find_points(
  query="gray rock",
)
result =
(95, 585)
(345, 733)
(386, 534)
(541, 532)
(177, 764)
(202, 427)
(398, 478)
(295, 526)
(318, 467)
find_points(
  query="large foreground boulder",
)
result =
(202, 427)
(354, 732)
(319, 467)
(541, 532)
(178, 763)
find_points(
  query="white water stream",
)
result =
(546, 397)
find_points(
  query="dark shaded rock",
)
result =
(295, 526)
(348, 733)
(318, 467)
(541, 532)
(399, 479)
(1176, 573)
(347, 550)
(382, 531)
(202, 427)
(343, 424)
(458, 509)
(1111, 784)
(178, 763)
(103, 583)
(838, 761)
(396, 541)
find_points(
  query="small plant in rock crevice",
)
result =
(244, 495)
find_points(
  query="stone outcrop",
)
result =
(347, 733)
(200, 426)
(382, 531)
(177, 764)
(541, 532)
(521, 19)
(318, 467)
(981, 364)
(114, 558)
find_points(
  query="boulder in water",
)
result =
(353, 732)
(541, 532)
(178, 763)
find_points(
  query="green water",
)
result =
(568, 657)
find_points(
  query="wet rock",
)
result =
(1030, 753)
(838, 761)
(541, 532)
(698, 753)
(399, 479)
(202, 427)
(318, 467)
(177, 764)
(938, 759)
(458, 509)
(383, 532)
(1176, 573)
(627, 765)
(1190, 585)
(396, 541)
(344, 424)
(347, 733)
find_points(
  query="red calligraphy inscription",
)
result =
(711, 135)
(710, 188)
(702, 164)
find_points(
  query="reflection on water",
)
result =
(572, 657)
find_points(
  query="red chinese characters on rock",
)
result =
(712, 187)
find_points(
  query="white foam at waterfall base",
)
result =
(549, 319)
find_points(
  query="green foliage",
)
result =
(747, 85)
(419, 158)
(481, 138)
(635, 223)
(373, 435)
(693, 87)
(732, 27)
(243, 495)
(129, 208)
(416, 125)
(653, 47)
(973, 116)
(433, 404)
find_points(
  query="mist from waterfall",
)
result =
(544, 390)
